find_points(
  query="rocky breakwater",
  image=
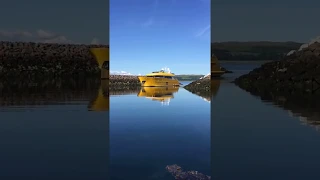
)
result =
(124, 82)
(45, 59)
(298, 72)
(201, 86)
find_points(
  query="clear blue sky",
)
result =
(147, 35)
(271, 20)
(61, 21)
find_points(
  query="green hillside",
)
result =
(188, 77)
(260, 50)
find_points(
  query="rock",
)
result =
(202, 85)
(225, 70)
(124, 82)
(45, 59)
(298, 71)
(179, 174)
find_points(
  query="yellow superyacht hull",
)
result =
(157, 81)
(102, 57)
(215, 67)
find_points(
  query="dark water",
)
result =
(262, 139)
(51, 129)
(147, 135)
(60, 129)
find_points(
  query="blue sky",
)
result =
(61, 21)
(271, 20)
(147, 35)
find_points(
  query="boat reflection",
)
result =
(101, 102)
(161, 94)
(215, 85)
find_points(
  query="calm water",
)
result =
(146, 135)
(50, 130)
(61, 130)
(53, 130)
(253, 139)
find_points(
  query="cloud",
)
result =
(203, 31)
(95, 41)
(36, 36)
(16, 33)
(120, 73)
(45, 34)
(148, 22)
(58, 39)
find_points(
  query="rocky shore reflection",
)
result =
(28, 93)
(305, 106)
(161, 94)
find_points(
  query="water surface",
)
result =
(148, 133)
(262, 139)
(50, 129)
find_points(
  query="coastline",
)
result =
(247, 61)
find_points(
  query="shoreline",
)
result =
(295, 73)
(248, 61)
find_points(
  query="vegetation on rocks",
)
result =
(188, 77)
(260, 50)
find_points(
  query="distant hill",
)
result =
(259, 50)
(188, 77)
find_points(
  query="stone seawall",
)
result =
(122, 82)
(45, 59)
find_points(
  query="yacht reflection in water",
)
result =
(30, 94)
(161, 94)
(101, 102)
(215, 85)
